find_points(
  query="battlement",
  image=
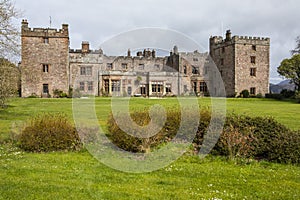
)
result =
(217, 40)
(26, 31)
(99, 51)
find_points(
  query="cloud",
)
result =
(96, 21)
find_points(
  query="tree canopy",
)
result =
(9, 34)
(9, 81)
(290, 69)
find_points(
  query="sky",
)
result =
(97, 21)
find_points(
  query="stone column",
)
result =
(110, 87)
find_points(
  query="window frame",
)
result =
(90, 85)
(81, 86)
(253, 71)
(45, 68)
(46, 40)
(253, 91)
(253, 59)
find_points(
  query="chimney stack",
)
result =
(228, 35)
(85, 47)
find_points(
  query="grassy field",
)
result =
(78, 175)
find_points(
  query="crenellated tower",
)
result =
(45, 60)
(244, 63)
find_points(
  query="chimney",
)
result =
(24, 24)
(175, 50)
(228, 35)
(153, 53)
(65, 27)
(128, 53)
(85, 47)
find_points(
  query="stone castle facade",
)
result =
(49, 64)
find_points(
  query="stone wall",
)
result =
(44, 48)
(232, 56)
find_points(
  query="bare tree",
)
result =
(9, 34)
(9, 49)
(297, 49)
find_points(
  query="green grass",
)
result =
(78, 175)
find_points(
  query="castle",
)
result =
(48, 64)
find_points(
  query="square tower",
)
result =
(45, 60)
(244, 63)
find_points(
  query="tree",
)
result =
(9, 34)
(9, 48)
(9, 81)
(297, 49)
(290, 69)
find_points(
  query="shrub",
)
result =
(259, 95)
(138, 144)
(261, 138)
(33, 95)
(49, 132)
(285, 148)
(245, 94)
(59, 94)
(274, 96)
(297, 96)
(237, 142)
(287, 93)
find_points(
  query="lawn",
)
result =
(78, 175)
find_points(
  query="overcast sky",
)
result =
(98, 20)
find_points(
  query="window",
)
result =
(45, 68)
(106, 86)
(253, 91)
(124, 66)
(82, 71)
(129, 81)
(129, 91)
(253, 72)
(222, 61)
(46, 40)
(195, 87)
(109, 66)
(90, 86)
(81, 86)
(184, 70)
(88, 71)
(157, 87)
(157, 66)
(141, 66)
(203, 86)
(195, 70)
(195, 59)
(115, 86)
(254, 47)
(253, 59)
(45, 88)
(143, 89)
(168, 88)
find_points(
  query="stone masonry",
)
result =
(48, 64)
(45, 60)
(243, 62)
